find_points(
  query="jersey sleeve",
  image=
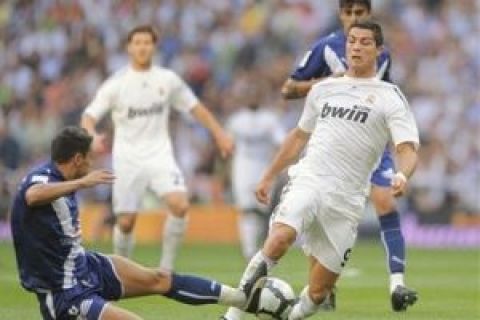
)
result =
(309, 115)
(32, 179)
(102, 102)
(401, 122)
(313, 64)
(183, 98)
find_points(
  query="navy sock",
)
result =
(393, 241)
(193, 290)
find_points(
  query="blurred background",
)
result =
(55, 53)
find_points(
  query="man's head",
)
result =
(354, 10)
(364, 45)
(71, 151)
(141, 43)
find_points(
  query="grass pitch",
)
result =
(448, 282)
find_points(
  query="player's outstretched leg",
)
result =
(123, 238)
(138, 281)
(321, 283)
(394, 244)
(174, 228)
(281, 237)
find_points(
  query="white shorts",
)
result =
(132, 182)
(325, 215)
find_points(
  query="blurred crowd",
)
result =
(54, 54)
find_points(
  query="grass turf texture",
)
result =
(448, 282)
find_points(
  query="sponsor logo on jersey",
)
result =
(155, 109)
(356, 113)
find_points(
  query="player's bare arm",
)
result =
(222, 139)
(406, 156)
(40, 194)
(296, 89)
(287, 154)
(89, 123)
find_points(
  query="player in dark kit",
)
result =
(71, 282)
(327, 58)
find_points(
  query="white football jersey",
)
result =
(351, 120)
(256, 134)
(140, 103)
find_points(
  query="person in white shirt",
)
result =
(140, 97)
(257, 132)
(345, 125)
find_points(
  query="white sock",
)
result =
(250, 228)
(173, 232)
(231, 297)
(123, 242)
(305, 307)
(235, 313)
(396, 279)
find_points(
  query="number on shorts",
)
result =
(346, 257)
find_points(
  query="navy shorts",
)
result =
(381, 175)
(89, 296)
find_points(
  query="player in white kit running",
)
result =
(346, 122)
(257, 132)
(140, 97)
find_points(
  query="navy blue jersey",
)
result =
(328, 57)
(47, 237)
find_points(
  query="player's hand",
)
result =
(399, 184)
(225, 145)
(99, 143)
(97, 177)
(262, 192)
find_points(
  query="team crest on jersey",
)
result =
(371, 99)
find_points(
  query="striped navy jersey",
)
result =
(47, 237)
(327, 57)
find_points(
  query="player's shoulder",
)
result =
(333, 38)
(163, 72)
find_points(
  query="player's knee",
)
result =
(126, 222)
(179, 206)
(159, 281)
(278, 243)
(383, 200)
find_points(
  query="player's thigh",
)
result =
(111, 312)
(128, 188)
(297, 207)
(177, 202)
(321, 280)
(138, 280)
(382, 199)
(166, 178)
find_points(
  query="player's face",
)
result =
(362, 50)
(141, 48)
(353, 13)
(82, 164)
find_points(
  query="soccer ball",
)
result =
(276, 300)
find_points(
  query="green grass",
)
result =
(448, 282)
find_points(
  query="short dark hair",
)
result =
(349, 3)
(146, 28)
(370, 25)
(70, 141)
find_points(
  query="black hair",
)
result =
(349, 3)
(373, 26)
(143, 29)
(68, 142)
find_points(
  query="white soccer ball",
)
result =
(276, 300)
